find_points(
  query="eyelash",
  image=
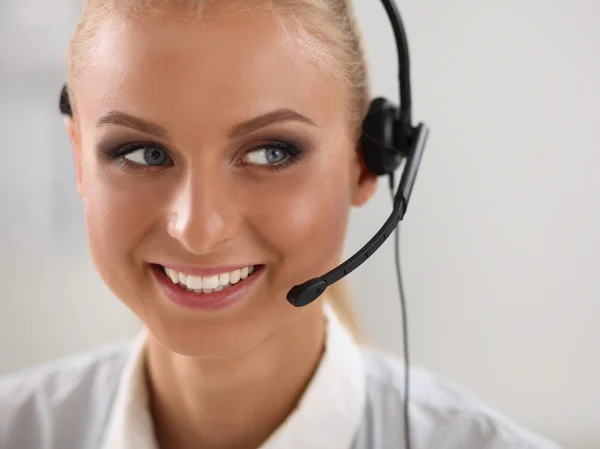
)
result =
(292, 149)
(118, 155)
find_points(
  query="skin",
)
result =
(224, 379)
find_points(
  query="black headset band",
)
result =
(405, 101)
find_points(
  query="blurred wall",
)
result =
(500, 245)
(52, 302)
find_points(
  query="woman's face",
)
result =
(206, 148)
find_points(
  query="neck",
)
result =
(233, 403)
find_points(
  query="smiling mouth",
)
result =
(204, 285)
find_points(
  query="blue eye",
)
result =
(150, 156)
(267, 156)
(276, 155)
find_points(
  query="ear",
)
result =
(366, 182)
(74, 136)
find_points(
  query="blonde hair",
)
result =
(330, 21)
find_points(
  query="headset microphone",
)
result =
(387, 140)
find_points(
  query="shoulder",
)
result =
(442, 414)
(71, 397)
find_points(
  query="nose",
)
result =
(203, 214)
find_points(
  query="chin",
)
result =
(208, 345)
(218, 337)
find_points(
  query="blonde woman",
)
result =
(216, 153)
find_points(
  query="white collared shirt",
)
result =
(354, 401)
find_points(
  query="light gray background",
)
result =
(500, 246)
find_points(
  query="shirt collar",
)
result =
(328, 414)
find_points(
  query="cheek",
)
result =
(117, 219)
(318, 221)
(307, 230)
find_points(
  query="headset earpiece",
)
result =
(381, 141)
(65, 102)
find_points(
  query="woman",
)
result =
(213, 140)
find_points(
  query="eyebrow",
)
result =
(129, 121)
(278, 116)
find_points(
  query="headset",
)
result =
(388, 140)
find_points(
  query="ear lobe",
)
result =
(73, 132)
(367, 183)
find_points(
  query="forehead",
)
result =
(231, 65)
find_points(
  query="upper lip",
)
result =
(203, 271)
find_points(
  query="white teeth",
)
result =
(194, 282)
(174, 275)
(208, 284)
(234, 276)
(224, 279)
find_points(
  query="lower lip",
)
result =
(205, 301)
